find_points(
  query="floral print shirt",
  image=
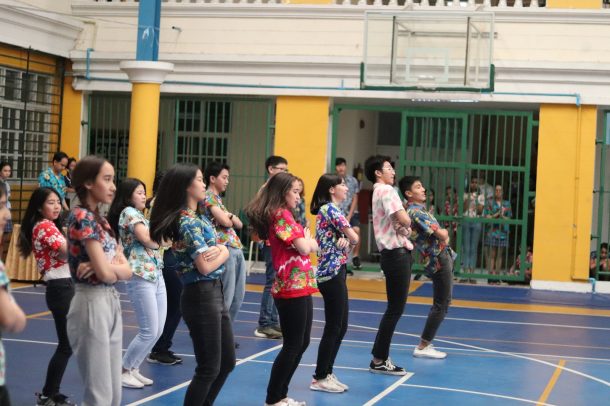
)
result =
(197, 235)
(300, 214)
(144, 262)
(423, 226)
(83, 226)
(329, 223)
(226, 235)
(46, 241)
(498, 231)
(295, 276)
(385, 203)
(4, 282)
(47, 178)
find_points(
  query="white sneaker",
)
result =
(130, 381)
(338, 382)
(429, 352)
(326, 385)
(136, 374)
(287, 402)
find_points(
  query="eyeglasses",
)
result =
(387, 168)
(279, 168)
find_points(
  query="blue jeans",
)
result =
(234, 281)
(268, 314)
(149, 301)
(173, 288)
(470, 246)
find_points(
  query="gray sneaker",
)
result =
(268, 332)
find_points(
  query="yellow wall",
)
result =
(564, 192)
(18, 58)
(301, 134)
(71, 120)
(574, 3)
(143, 126)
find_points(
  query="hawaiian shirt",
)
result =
(385, 203)
(84, 225)
(144, 262)
(295, 276)
(329, 223)
(474, 199)
(197, 235)
(353, 187)
(423, 226)
(226, 235)
(4, 282)
(498, 231)
(47, 178)
(46, 241)
(7, 189)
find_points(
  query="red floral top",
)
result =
(294, 275)
(46, 241)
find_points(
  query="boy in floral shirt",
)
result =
(432, 242)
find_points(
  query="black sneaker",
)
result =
(44, 400)
(162, 358)
(174, 356)
(356, 262)
(62, 400)
(386, 368)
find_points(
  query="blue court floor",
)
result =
(506, 346)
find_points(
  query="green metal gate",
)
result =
(601, 215)
(447, 149)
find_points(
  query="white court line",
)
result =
(389, 389)
(472, 320)
(182, 385)
(511, 354)
(493, 395)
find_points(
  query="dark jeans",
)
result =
(268, 312)
(396, 266)
(5, 400)
(442, 285)
(209, 325)
(58, 295)
(336, 311)
(173, 287)
(296, 316)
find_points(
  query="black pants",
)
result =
(442, 285)
(5, 400)
(396, 266)
(296, 316)
(210, 328)
(58, 295)
(173, 287)
(336, 311)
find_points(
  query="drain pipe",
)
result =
(592, 281)
(88, 64)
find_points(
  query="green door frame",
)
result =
(464, 166)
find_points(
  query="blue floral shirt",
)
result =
(353, 187)
(226, 235)
(82, 226)
(423, 226)
(329, 223)
(3, 285)
(145, 262)
(197, 235)
(300, 214)
(47, 178)
(498, 231)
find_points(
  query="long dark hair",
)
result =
(321, 195)
(122, 200)
(267, 201)
(171, 198)
(33, 214)
(86, 170)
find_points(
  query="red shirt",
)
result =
(46, 241)
(294, 275)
